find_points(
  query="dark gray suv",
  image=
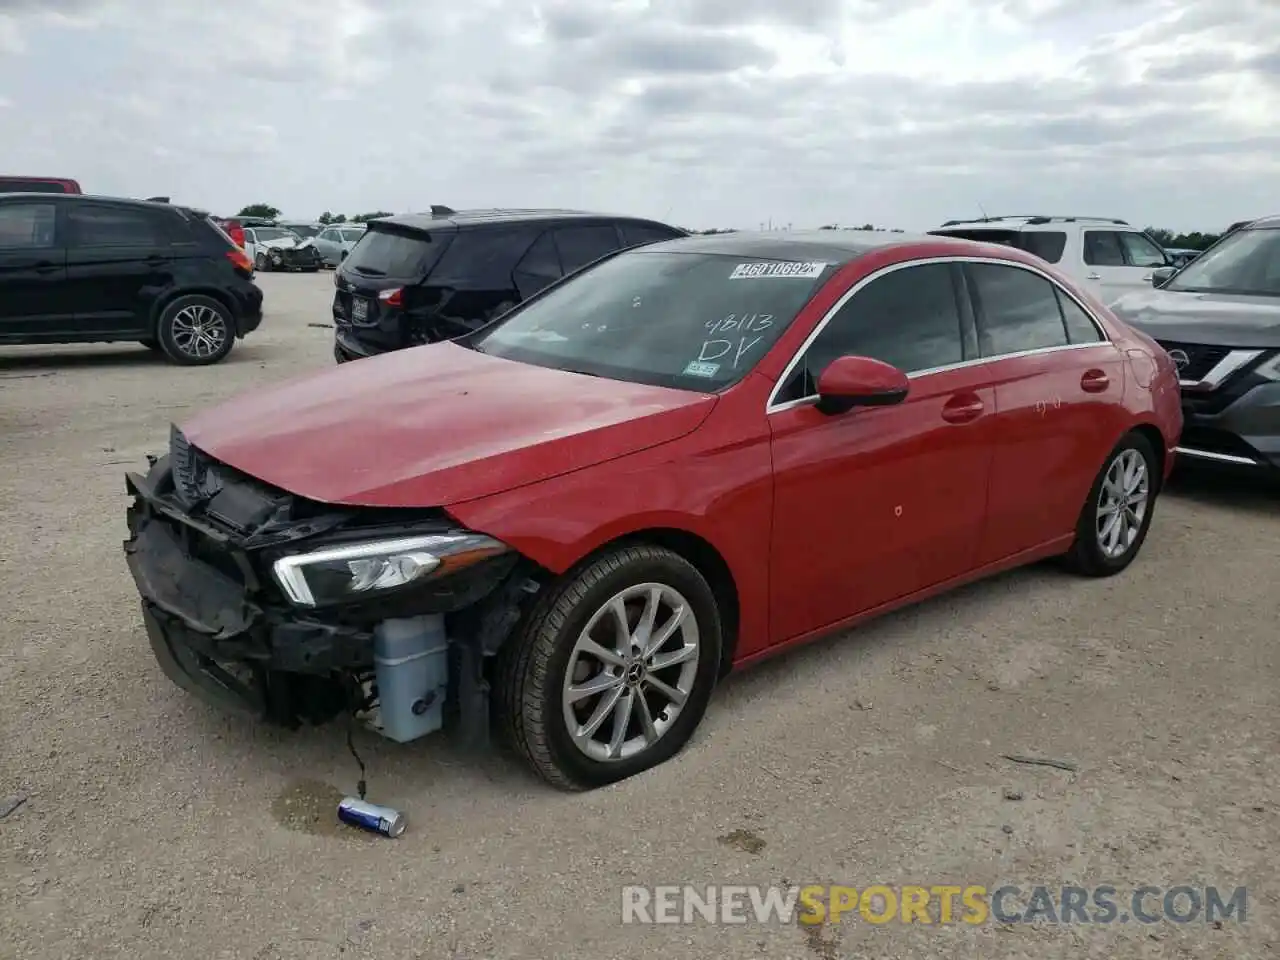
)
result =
(1219, 319)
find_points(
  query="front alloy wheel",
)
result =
(631, 672)
(612, 671)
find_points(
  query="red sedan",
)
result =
(684, 458)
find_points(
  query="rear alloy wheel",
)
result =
(1118, 511)
(612, 673)
(196, 331)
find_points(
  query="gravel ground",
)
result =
(156, 827)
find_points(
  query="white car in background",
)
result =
(337, 240)
(1107, 256)
(278, 248)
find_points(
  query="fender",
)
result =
(715, 483)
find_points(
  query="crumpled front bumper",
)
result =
(211, 632)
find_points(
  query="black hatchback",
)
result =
(78, 269)
(421, 278)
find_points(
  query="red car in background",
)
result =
(679, 460)
(13, 184)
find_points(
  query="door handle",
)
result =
(1094, 381)
(1093, 276)
(1147, 278)
(963, 408)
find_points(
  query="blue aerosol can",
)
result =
(371, 817)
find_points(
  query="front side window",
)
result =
(1246, 262)
(1141, 252)
(1017, 310)
(908, 318)
(694, 321)
(27, 226)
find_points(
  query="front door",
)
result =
(877, 503)
(118, 259)
(1057, 384)
(1119, 261)
(33, 273)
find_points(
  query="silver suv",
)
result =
(1107, 256)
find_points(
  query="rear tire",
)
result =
(656, 691)
(1117, 514)
(195, 331)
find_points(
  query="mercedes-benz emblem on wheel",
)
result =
(1180, 359)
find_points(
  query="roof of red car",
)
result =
(831, 246)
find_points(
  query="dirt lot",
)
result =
(156, 827)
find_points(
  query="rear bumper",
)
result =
(1245, 433)
(347, 348)
(247, 298)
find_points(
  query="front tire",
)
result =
(196, 331)
(260, 263)
(1116, 516)
(612, 672)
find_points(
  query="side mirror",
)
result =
(1162, 276)
(849, 382)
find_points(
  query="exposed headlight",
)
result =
(1271, 368)
(358, 570)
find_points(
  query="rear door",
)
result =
(33, 293)
(1119, 261)
(119, 259)
(1058, 389)
(880, 502)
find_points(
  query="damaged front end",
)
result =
(296, 611)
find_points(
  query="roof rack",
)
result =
(1036, 219)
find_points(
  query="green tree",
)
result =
(376, 215)
(264, 210)
(326, 218)
(1195, 240)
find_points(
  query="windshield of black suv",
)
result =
(1246, 262)
(689, 320)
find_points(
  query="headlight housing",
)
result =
(356, 571)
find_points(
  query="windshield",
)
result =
(270, 233)
(688, 320)
(1246, 262)
(305, 231)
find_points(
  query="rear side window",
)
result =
(1102, 249)
(386, 253)
(115, 227)
(352, 235)
(1080, 329)
(27, 226)
(1047, 245)
(1017, 310)
(634, 234)
(579, 246)
(482, 258)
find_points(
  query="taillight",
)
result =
(240, 260)
(392, 298)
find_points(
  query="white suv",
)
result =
(1107, 255)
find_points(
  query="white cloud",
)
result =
(703, 112)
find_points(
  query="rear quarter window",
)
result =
(1047, 245)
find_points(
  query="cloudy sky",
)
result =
(700, 112)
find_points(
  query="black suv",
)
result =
(77, 269)
(420, 278)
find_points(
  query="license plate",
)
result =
(359, 308)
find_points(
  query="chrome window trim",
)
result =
(772, 406)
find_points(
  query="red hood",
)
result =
(435, 425)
